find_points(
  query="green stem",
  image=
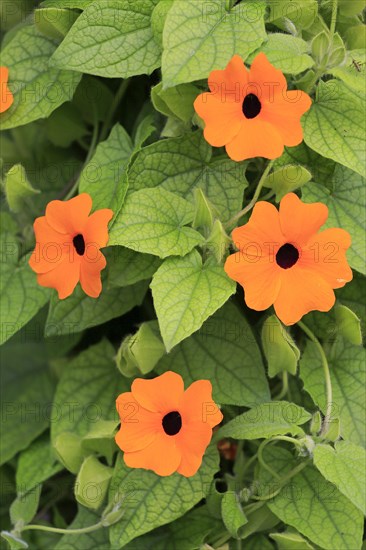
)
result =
(91, 150)
(80, 531)
(318, 74)
(334, 18)
(287, 438)
(263, 462)
(255, 197)
(283, 481)
(116, 101)
(284, 390)
(328, 382)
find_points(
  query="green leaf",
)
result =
(154, 221)
(290, 541)
(182, 164)
(15, 543)
(66, 125)
(151, 501)
(38, 89)
(256, 542)
(177, 101)
(26, 392)
(334, 126)
(287, 53)
(199, 38)
(301, 13)
(342, 466)
(127, 267)
(259, 519)
(79, 311)
(121, 45)
(287, 179)
(354, 297)
(280, 350)
(92, 483)
(312, 505)
(96, 540)
(353, 71)
(54, 22)
(29, 474)
(348, 324)
(78, 4)
(158, 18)
(266, 420)
(104, 177)
(81, 400)
(224, 351)
(351, 8)
(189, 531)
(17, 188)
(186, 292)
(232, 514)
(346, 203)
(21, 296)
(347, 372)
(24, 507)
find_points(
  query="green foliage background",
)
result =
(103, 104)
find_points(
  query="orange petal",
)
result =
(285, 113)
(223, 119)
(161, 394)
(261, 233)
(96, 227)
(51, 247)
(63, 278)
(269, 81)
(92, 263)
(162, 456)
(69, 216)
(325, 254)
(139, 427)
(229, 85)
(261, 279)
(257, 138)
(192, 443)
(300, 221)
(302, 291)
(6, 96)
(198, 406)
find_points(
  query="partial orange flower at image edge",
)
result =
(6, 97)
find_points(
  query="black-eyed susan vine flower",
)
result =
(68, 243)
(163, 427)
(251, 112)
(283, 259)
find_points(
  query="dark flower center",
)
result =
(79, 244)
(251, 106)
(172, 423)
(287, 256)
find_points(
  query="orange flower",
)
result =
(251, 112)
(163, 427)
(6, 97)
(283, 260)
(68, 243)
